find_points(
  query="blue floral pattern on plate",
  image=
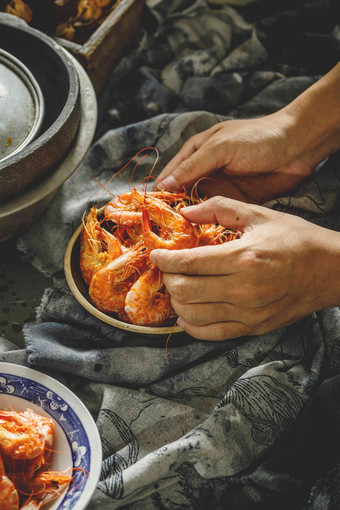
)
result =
(68, 420)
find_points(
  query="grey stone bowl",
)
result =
(19, 213)
(55, 72)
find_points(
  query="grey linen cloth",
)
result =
(234, 424)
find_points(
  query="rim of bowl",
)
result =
(23, 72)
(73, 93)
(82, 413)
(108, 319)
(85, 133)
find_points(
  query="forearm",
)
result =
(313, 119)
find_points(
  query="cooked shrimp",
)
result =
(9, 497)
(126, 209)
(177, 231)
(215, 234)
(110, 284)
(97, 246)
(148, 302)
(20, 9)
(32, 504)
(88, 10)
(44, 487)
(129, 285)
(25, 440)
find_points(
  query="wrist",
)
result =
(326, 263)
(312, 120)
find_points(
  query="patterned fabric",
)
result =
(250, 423)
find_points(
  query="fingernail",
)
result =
(168, 183)
(180, 322)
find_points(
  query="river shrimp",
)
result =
(128, 284)
(44, 487)
(215, 234)
(25, 437)
(110, 284)
(26, 441)
(148, 302)
(97, 246)
(20, 9)
(9, 497)
(126, 209)
(176, 231)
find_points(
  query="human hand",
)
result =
(282, 269)
(250, 160)
(257, 159)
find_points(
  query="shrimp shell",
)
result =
(148, 302)
(9, 497)
(97, 246)
(110, 284)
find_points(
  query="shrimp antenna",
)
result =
(83, 471)
(101, 184)
(7, 404)
(195, 186)
(166, 344)
(133, 171)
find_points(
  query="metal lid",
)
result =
(21, 105)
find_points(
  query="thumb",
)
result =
(227, 212)
(199, 164)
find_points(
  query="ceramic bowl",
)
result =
(80, 291)
(56, 75)
(76, 438)
(20, 212)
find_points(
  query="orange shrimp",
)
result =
(32, 504)
(126, 209)
(97, 246)
(9, 497)
(88, 10)
(25, 440)
(43, 488)
(215, 234)
(20, 9)
(177, 232)
(148, 302)
(110, 284)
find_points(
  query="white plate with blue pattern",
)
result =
(76, 439)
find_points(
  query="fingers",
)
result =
(207, 289)
(186, 151)
(226, 211)
(204, 260)
(200, 164)
(194, 160)
(215, 332)
(202, 314)
(220, 184)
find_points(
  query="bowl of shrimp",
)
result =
(50, 449)
(107, 264)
